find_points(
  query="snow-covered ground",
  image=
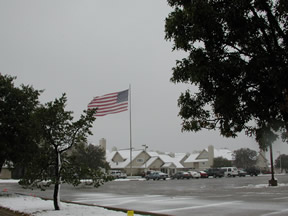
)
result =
(38, 207)
(262, 186)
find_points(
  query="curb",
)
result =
(101, 206)
(117, 209)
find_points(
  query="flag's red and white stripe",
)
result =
(110, 103)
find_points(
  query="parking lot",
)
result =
(219, 196)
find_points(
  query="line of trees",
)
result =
(246, 158)
(243, 158)
(44, 140)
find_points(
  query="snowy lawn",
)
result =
(38, 207)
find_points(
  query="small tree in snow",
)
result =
(245, 158)
(282, 162)
(86, 162)
(59, 133)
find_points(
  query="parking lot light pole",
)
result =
(273, 181)
(280, 161)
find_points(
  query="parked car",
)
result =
(194, 174)
(242, 173)
(252, 171)
(203, 174)
(230, 171)
(156, 176)
(148, 172)
(215, 172)
(118, 174)
(181, 175)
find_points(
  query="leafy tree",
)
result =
(221, 162)
(237, 57)
(59, 133)
(245, 158)
(86, 162)
(282, 162)
(18, 135)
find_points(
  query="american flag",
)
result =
(110, 103)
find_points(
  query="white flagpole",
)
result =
(130, 129)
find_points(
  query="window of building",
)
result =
(140, 160)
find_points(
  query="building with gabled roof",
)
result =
(120, 160)
(143, 161)
(197, 161)
(204, 159)
(169, 163)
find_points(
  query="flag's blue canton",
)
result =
(122, 96)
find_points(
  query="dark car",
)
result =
(242, 173)
(252, 171)
(157, 176)
(181, 175)
(215, 172)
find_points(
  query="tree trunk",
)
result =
(56, 196)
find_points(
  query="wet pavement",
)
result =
(217, 197)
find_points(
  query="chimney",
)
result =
(211, 155)
(102, 144)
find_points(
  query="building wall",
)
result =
(117, 158)
(204, 165)
(5, 173)
(197, 165)
(190, 165)
(262, 162)
(156, 165)
(135, 171)
(140, 160)
(203, 155)
(137, 164)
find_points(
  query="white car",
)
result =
(230, 171)
(194, 174)
(118, 174)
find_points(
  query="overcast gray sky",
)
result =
(87, 48)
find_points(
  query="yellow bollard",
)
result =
(130, 213)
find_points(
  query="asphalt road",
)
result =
(217, 197)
